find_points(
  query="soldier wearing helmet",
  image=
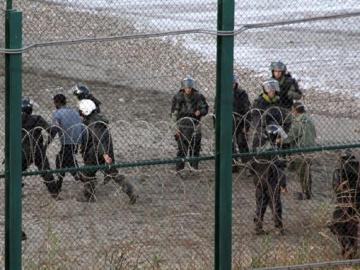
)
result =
(97, 149)
(187, 108)
(289, 88)
(302, 133)
(266, 110)
(269, 179)
(81, 91)
(241, 120)
(344, 224)
(33, 146)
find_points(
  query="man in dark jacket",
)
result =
(269, 179)
(81, 91)
(241, 120)
(187, 108)
(345, 217)
(97, 149)
(33, 147)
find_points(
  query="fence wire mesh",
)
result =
(91, 223)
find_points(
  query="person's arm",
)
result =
(102, 138)
(54, 128)
(294, 133)
(294, 91)
(202, 108)
(174, 109)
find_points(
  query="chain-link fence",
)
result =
(133, 57)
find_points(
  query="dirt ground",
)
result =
(172, 224)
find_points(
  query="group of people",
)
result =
(85, 129)
(276, 118)
(276, 121)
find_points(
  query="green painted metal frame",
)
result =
(223, 137)
(13, 40)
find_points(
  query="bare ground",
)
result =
(172, 225)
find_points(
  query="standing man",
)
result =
(241, 120)
(67, 124)
(345, 217)
(97, 149)
(269, 180)
(187, 108)
(81, 91)
(33, 147)
(302, 133)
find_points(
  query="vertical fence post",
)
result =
(223, 105)
(13, 40)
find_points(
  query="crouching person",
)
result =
(97, 149)
(345, 218)
(269, 180)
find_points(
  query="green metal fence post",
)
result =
(13, 40)
(223, 103)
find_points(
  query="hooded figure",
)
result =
(97, 149)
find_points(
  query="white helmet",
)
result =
(271, 85)
(87, 106)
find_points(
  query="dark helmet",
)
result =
(81, 91)
(188, 82)
(26, 105)
(278, 66)
(271, 85)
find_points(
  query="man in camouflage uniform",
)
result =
(241, 120)
(97, 149)
(302, 133)
(187, 108)
(289, 88)
(345, 217)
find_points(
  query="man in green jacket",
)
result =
(302, 133)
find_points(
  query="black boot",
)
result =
(180, 166)
(23, 236)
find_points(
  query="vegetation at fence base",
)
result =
(271, 252)
(51, 257)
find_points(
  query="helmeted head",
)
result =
(274, 131)
(271, 87)
(235, 81)
(59, 100)
(86, 107)
(187, 84)
(278, 69)
(81, 91)
(26, 105)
